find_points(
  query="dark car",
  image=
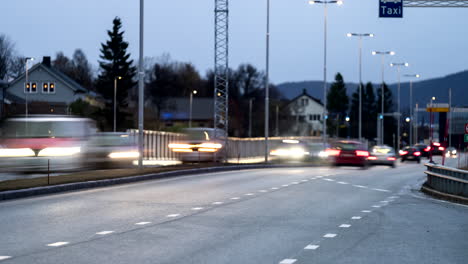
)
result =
(348, 153)
(410, 153)
(424, 149)
(437, 148)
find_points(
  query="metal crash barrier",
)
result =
(447, 180)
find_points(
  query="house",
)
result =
(47, 91)
(306, 112)
(175, 112)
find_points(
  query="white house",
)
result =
(307, 112)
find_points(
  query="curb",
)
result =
(443, 196)
(24, 193)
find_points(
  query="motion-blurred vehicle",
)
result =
(382, 155)
(437, 148)
(410, 153)
(451, 152)
(424, 149)
(200, 144)
(41, 142)
(348, 153)
(111, 150)
(291, 150)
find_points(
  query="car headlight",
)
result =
(16, 152)
(59, 152)
(124, 155)
(323, 154)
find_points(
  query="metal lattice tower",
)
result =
(435, 3)
(221, 78)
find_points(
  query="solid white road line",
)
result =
(356, 217)
(103, 233)
(4, 257)
(197, 208)
(329, 235)
(173, 215)
(58, 244)
(345, 226)
(312, 247)
(288, 261)
(217, 203)
(143, 223)
(366, 211)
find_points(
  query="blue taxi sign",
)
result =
(391, 8)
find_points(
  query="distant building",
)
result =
(48, 91)
(306, 112)
(176, 112)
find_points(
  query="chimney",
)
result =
(304, 92)
(46, 61)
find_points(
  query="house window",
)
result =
(48, 87)
(27, 87)
(311, 117)
(33, 87)
(304, 101)
(45, 87)
(51, 87)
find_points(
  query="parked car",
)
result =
(410, 153)
(348, 153)
(382, 155)
(200, 144)
(111, 150)
(424, 149)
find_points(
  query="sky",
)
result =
(432, 40)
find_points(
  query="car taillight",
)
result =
(403, 152)
(333, 152)
(417, 153)
(441, 148)
(428, 148)
(372, 158)
(391, 158)
(362, 153)
(437, 144)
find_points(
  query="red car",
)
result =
(348, 153)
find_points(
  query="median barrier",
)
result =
(445, 182)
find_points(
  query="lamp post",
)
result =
(267, 80)
(277, 121)
(360, 36)
(431, 129)
(324, 115)
(27, 87)
(115, 101)
(382, 54)
(411, 124)
(191, 103)
(250, 116)
(141, 75)
(399, 65)
(347, 119)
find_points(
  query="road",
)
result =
(294, 215)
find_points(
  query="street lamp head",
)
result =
(119, 77)
(406, 64)
(392, 53)
(339, 2)
(347, 119)
(312, 2)
(349, 35)
(374, 53)
(195, 92)
(433, 98)
(392, 64)
(417, 76)
(408, 120)
(371, 35)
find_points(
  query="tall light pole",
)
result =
(27, 87)
(325, 9)
(277, 121)
(191, 103)
(360, 36)
(267, 85)
(382, 54)
(398, 66)
(411, 124)
(141, 75)
(250, 116)
(115, 101)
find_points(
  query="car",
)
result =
(291, 150)
(111, 150)
(410, 153)
(348, 153)
(200, 144)
(424, 149)
(451, 152)
(382, 155)
(437, 148)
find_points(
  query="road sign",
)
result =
(391, 8)
(437, 108)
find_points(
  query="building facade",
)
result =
(306, 113)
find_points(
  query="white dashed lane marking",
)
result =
(235, 198)
(143, 223)
(380, 190)
(263, 191)
(304, 180)
(356, 217)
(312, 247)
(330, 180)
(288, 261)
(58, 244)
(4, 257)
(103, 233)
(285, 185)
(343, 182)
(275, 188)
(294, 183)
(329, 235)
(376, 206)
(366, 211)
(217, 203)
(360, 186)
(345, 226)
(197, 208)
(173, 215)
(249, 194)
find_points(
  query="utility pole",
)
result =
(141, 75)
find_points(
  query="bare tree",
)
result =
(10, 63)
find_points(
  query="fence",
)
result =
(447, 180)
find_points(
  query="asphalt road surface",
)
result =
(294, 215)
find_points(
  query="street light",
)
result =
(267, 80)
(399, 65)
(325, 5)
(115, 100)
(382, 53)
(411, 105)
(27, 83)
(191, 103)
(360, 36)
(141, 89)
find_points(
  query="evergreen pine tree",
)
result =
(369, 112)
(337, 104)
(389, 121)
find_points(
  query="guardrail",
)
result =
(449, 181)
